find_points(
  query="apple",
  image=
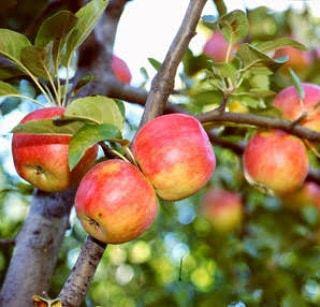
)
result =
(42, 160)
(223, 209)
(298, 60)
(120, 70)
(174, 153)
(309, 194)
(276, 160)
(115, 202)
(217, 48)
(292, 107)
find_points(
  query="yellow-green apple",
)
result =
(309, 194)
(174, 153)
(223, 209)
(115, 202)
(292, 106)
(297, 60)
(276, 160)
(121, 70)
(218, 48)
(42, 159)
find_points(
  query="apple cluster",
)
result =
(116, 201)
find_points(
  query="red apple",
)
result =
(292, 107)
(276, 160)
(42, 160)
(115, 202)
(298, 60)
(217, 48)
(223, 209)
(121, 70)
(309, 194)
(174, 153)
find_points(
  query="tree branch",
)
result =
(260, 121)
(163, 83)
(36, 248)
(78, 281)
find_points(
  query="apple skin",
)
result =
(174, 153)
(115, 202)
(216, 48)
(223, 209)
(276, 160)
(42, 160)
(298, 60)
(291, 106)
(309, 194)
(121, 70)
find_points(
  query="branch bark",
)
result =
(78, 281)
(36, 250)
(260, 121)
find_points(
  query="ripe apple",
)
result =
(174, 153)
(276, 160)
(309, 194)
(292, 107)
(298, 60)
(120, 70)
(217, 48)
(223, 209)
(115, 202)
(42, 160)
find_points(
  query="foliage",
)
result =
(273, 260)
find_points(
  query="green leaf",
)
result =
(86, 137)
(225, 70)
(193, 64)
(12, 43)
(49, 126)
(37, 60)
(278, 43)
(7, 89)
(87, 17)
(155, 63)
(9, 104)
(297, 83)
(55, 29)
(97, 109)
(234, 26)
(251, 57)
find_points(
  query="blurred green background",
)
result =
(273, 259)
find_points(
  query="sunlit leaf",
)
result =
(98, 109)
(278, 43)
(7, 89)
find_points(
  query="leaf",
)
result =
(155, 63)
(98, 109)
(9, 104)
(37, 60)
(193, 64)
(7, 89)
(87, 17)
(279, 42)
(252, 57)
(297, 83)
(49, 126)
(55, 29)
(12, 43)
(86, 137)
(225, 70)
(234, 25)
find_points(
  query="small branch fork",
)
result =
(77, 284)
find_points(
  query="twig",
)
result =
(260, 121)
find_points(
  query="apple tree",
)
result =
(209, 197)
